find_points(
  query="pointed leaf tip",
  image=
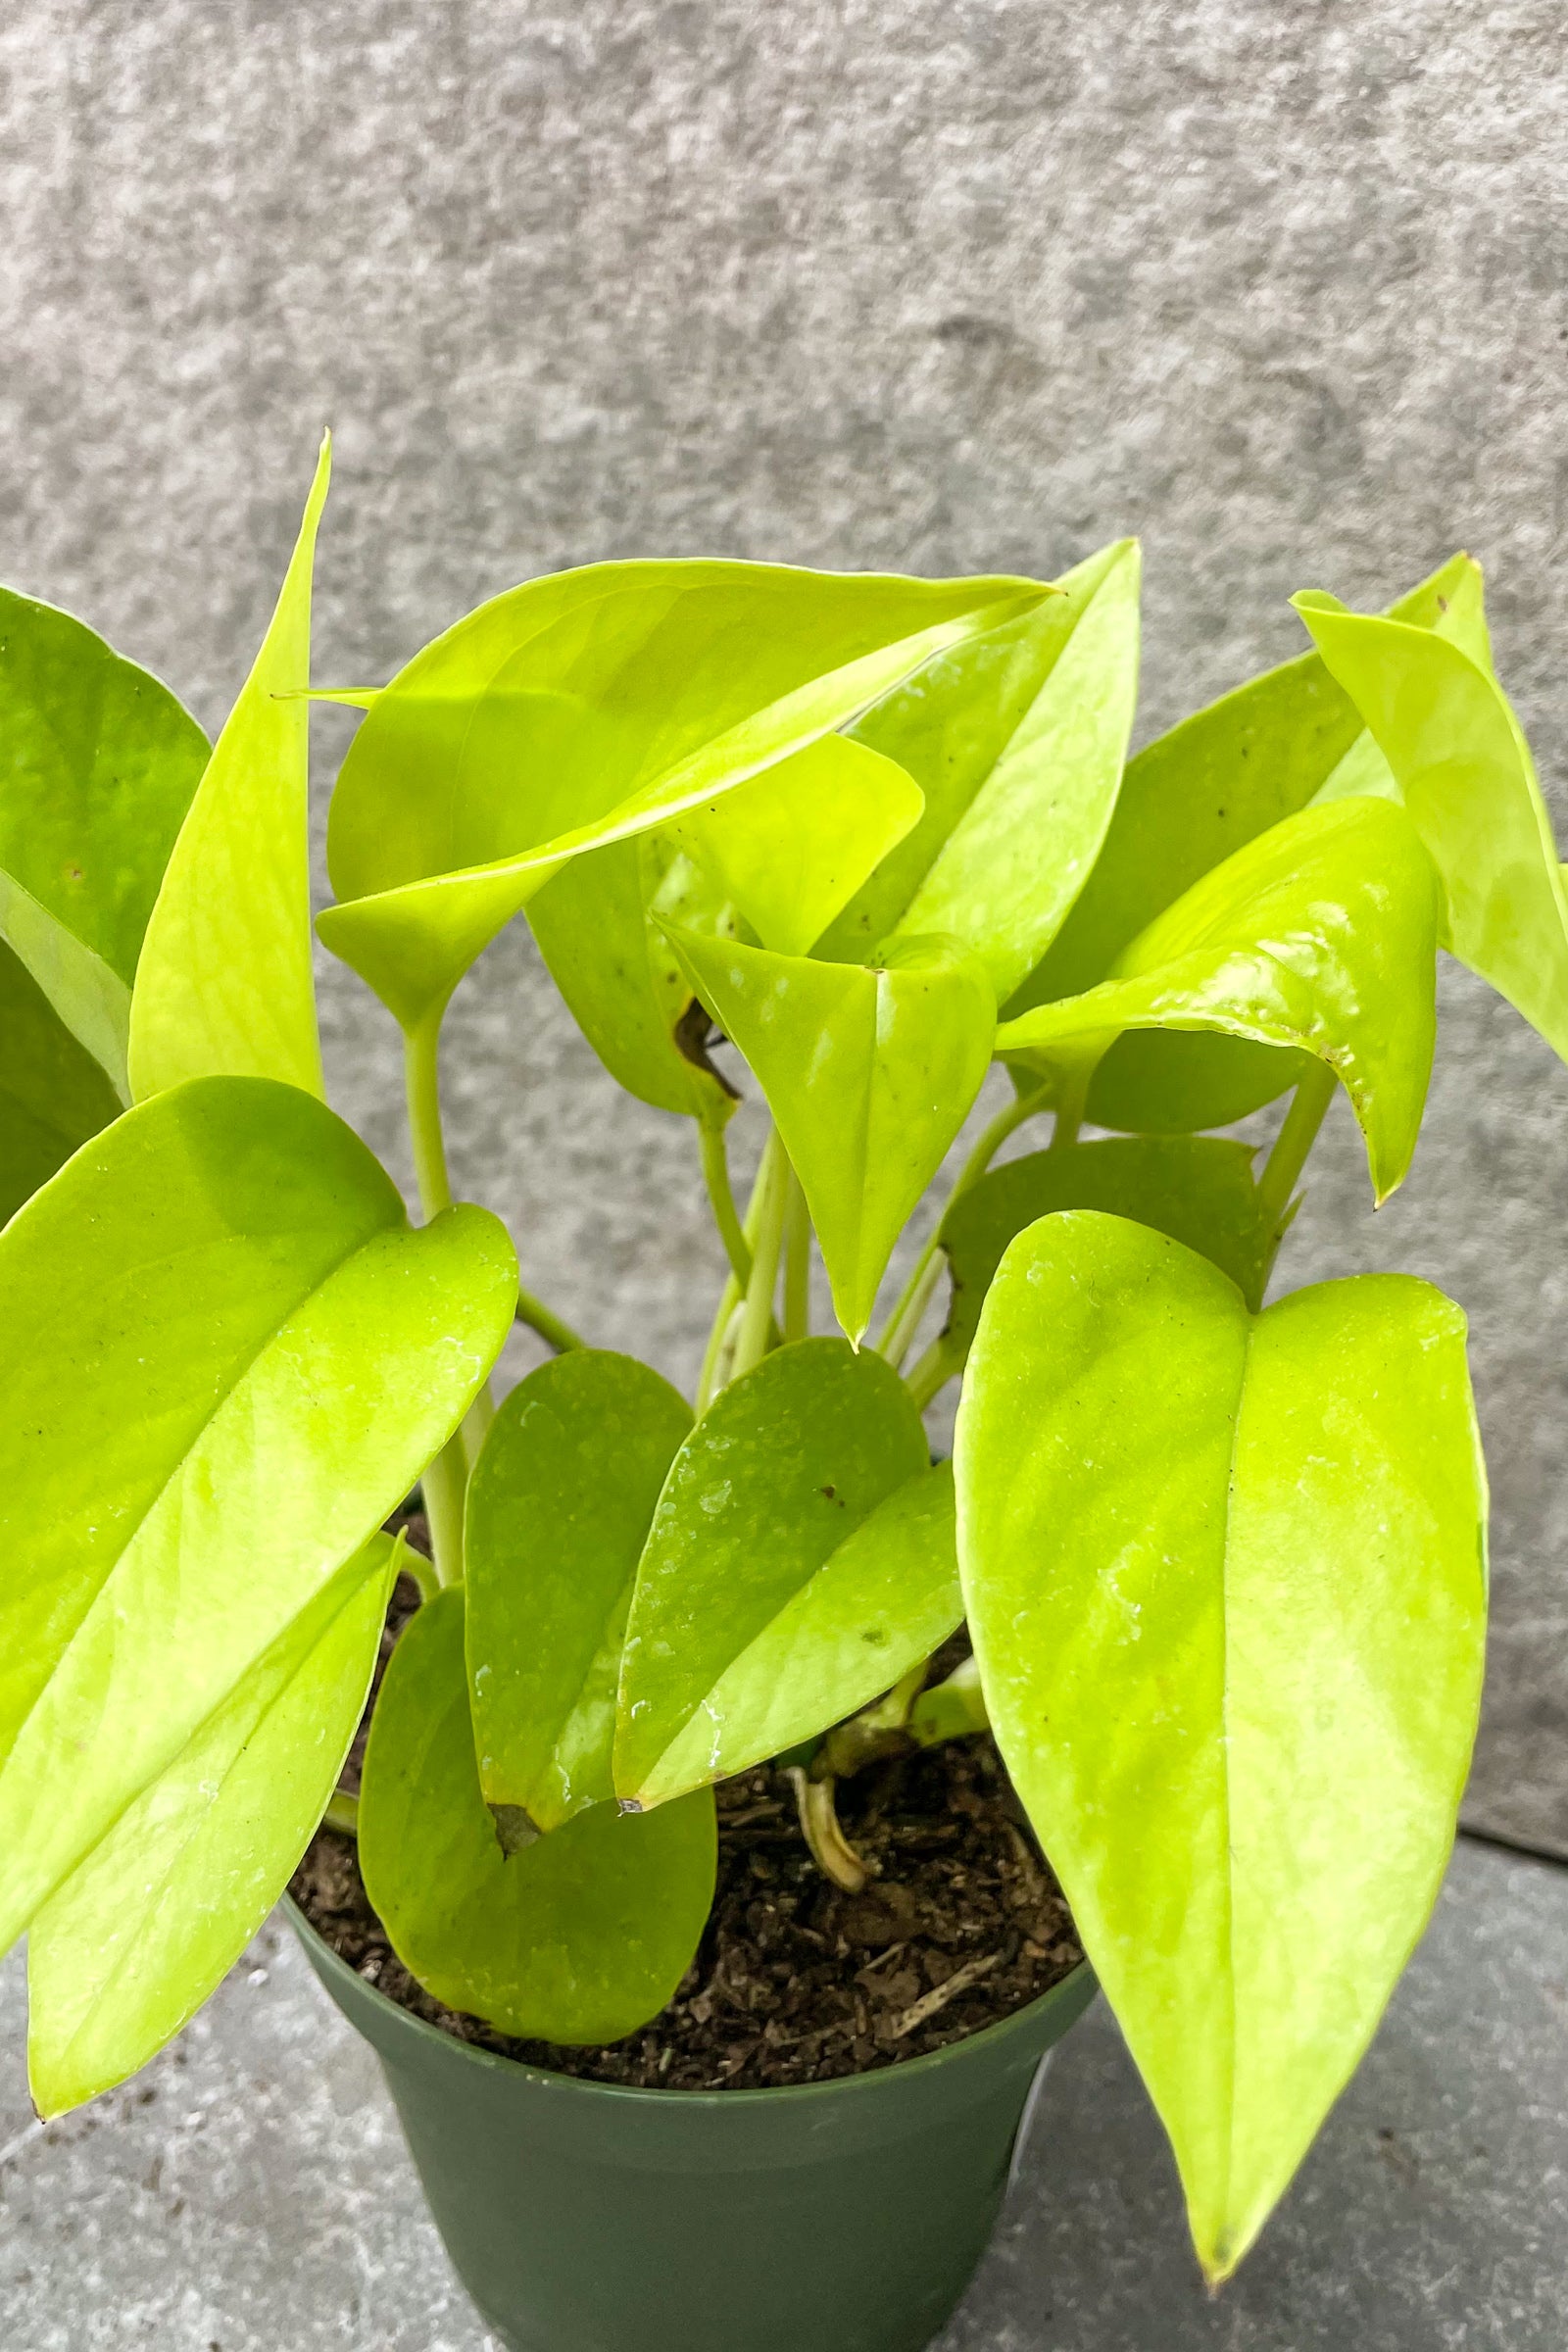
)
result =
(224, 985)
(1269, 1563)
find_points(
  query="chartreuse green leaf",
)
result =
(53, 1093)
(1197, 1188)
(224, 986)
(147, 1926)
(557, 1513)
(227, 1358)
(1189, 801)
(598, 928)
(782, 852)
(92, 1002)
(869, 1076)
(1005, 877)
(584, 709)
(1463, 770)
(1017, 737)
(883, 1599)
(98, 762)
(580, 1937)
(1225, 1576)
(791, 847)
(776, 1490)
(1320, 934)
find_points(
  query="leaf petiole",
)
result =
(897, 1333)
(1308, 1107)
(797, 1264)
(755, 1336)
(716, 1175)
(342, 1813)
(547, 1324)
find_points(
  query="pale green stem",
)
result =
(476, 1427)
(929, 1376)
(897, 1333)
(421, 1063)
(446, 1480)
(1070, 1102)
(445, 1485)
(342, 1813)
(710, 1379)
(709, 1382)
(917, 1298)
(716, 1175)
(757, 1318)
(547, 1323)
(414, 1564)
(1296, 1139)
(797, 1264)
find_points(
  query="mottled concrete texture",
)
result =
(251, 2192)
(925, 284)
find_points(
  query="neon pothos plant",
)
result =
(1222, 1564)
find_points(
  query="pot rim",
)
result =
(1078, 1985)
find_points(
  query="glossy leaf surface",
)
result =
(53, 1094)
(1230, 1627)
(589, 707)
(224, 988)
(883, 1599)
(89, 1000)
(597, 927)
(98, 764)
(791, 847)
(782, 1470)
(149, 1924)
(869, 1076)
(1008, 872)
(1320, 934)
(1197, 1188)
(218, 1320)
(1017, 738)
(1464, 773)
(581, 1937)
(786, 847)
(1187, 802)
(559, 1509)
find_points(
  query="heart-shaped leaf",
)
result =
(1017, 738)
(53, 1093)
(1464, 773)
(559, 1510)
(1320, 934)
(1229, 1624)
(223, 985)
(149, 1924)
(1187, 802)
(1197, 1188)
(779, 1474)
(588, 707)
(1008, 872)
(227, 1358)
(599, 928)
(784, 850)
(98, 768)
(581, 1937)
(869, 1076)
(791, 847)
(883, 1599)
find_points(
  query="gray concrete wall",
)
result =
(936, 284)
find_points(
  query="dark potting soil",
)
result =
(796, 1981)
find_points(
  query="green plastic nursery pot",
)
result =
(833, 2217)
